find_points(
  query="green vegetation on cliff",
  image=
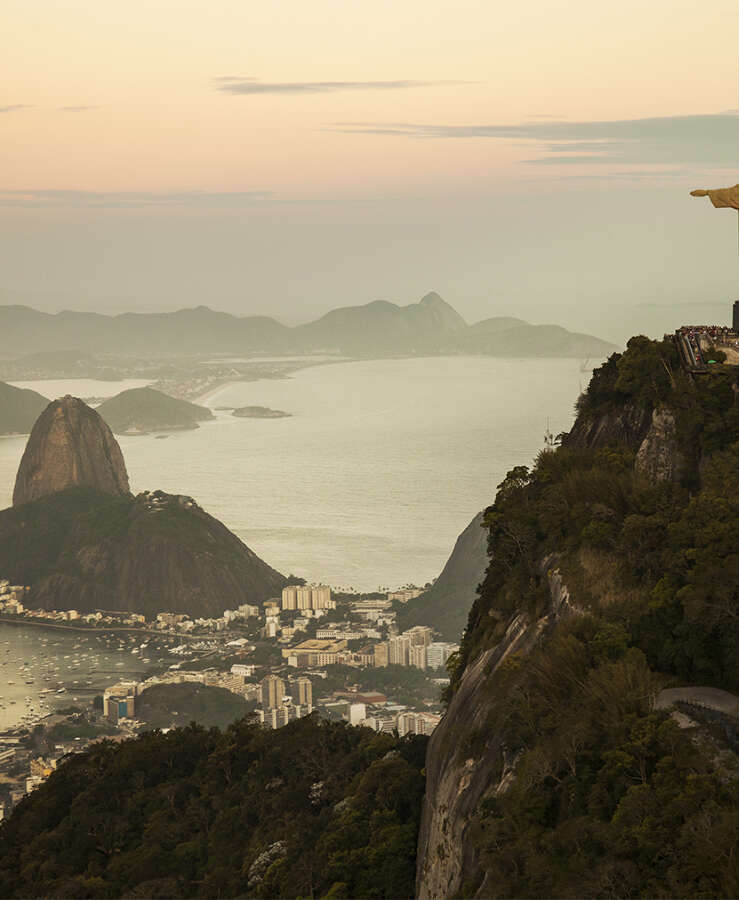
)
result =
(660, 555)
(604, 796)
(310, 810)
(83, 549)
(617, 558)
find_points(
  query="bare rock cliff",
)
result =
(626, 426)
(659, 457)
(70, 446)
(466, 759)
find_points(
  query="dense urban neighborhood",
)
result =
(309, 651)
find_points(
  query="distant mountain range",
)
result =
(430, 326)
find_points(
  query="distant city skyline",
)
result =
(292, 158)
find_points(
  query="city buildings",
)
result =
(314, 653)
(272, 691)
(281, 715)
(416, 723)
(438, 652)
(381, 655)
(307, 597)
(245, 671)
(301, 690)
(404, 595)
(119, 700)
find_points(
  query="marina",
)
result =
(43, 670)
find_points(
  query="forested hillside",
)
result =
(310, 810)
(19, 409)
(614, 573)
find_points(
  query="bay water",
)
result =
(366, 485)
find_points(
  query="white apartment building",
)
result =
(357, 713)
(416, 723)
(438, 652)
(398, 650)
(244, 670)
(305, 597)
(281, 715)
(404, 595)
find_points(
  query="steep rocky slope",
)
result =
(85, 550)
(70, 446)
(614, 572)
(446, 604)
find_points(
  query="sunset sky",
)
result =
(529, 158)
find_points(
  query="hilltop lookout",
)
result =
(703, 346)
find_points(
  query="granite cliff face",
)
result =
(70, 446)
(659, 457)
(458, 777)
(626, 426)
(613, 570)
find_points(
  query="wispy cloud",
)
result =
(14, 107)
(706, 140)
(233, 84)
(77, 108)
(41, 198)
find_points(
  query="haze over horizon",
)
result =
(288, 160)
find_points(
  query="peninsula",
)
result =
(142, 410)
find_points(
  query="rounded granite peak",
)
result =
(70, 446)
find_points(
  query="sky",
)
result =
(531, 158)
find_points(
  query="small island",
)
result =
(260, 412)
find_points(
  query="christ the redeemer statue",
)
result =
(722, 198)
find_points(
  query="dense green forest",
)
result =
(610, 798)
(312, 809)
(162, 705)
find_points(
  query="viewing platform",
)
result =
(699, 345)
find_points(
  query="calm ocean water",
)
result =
(381, 466)
(368, 484)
